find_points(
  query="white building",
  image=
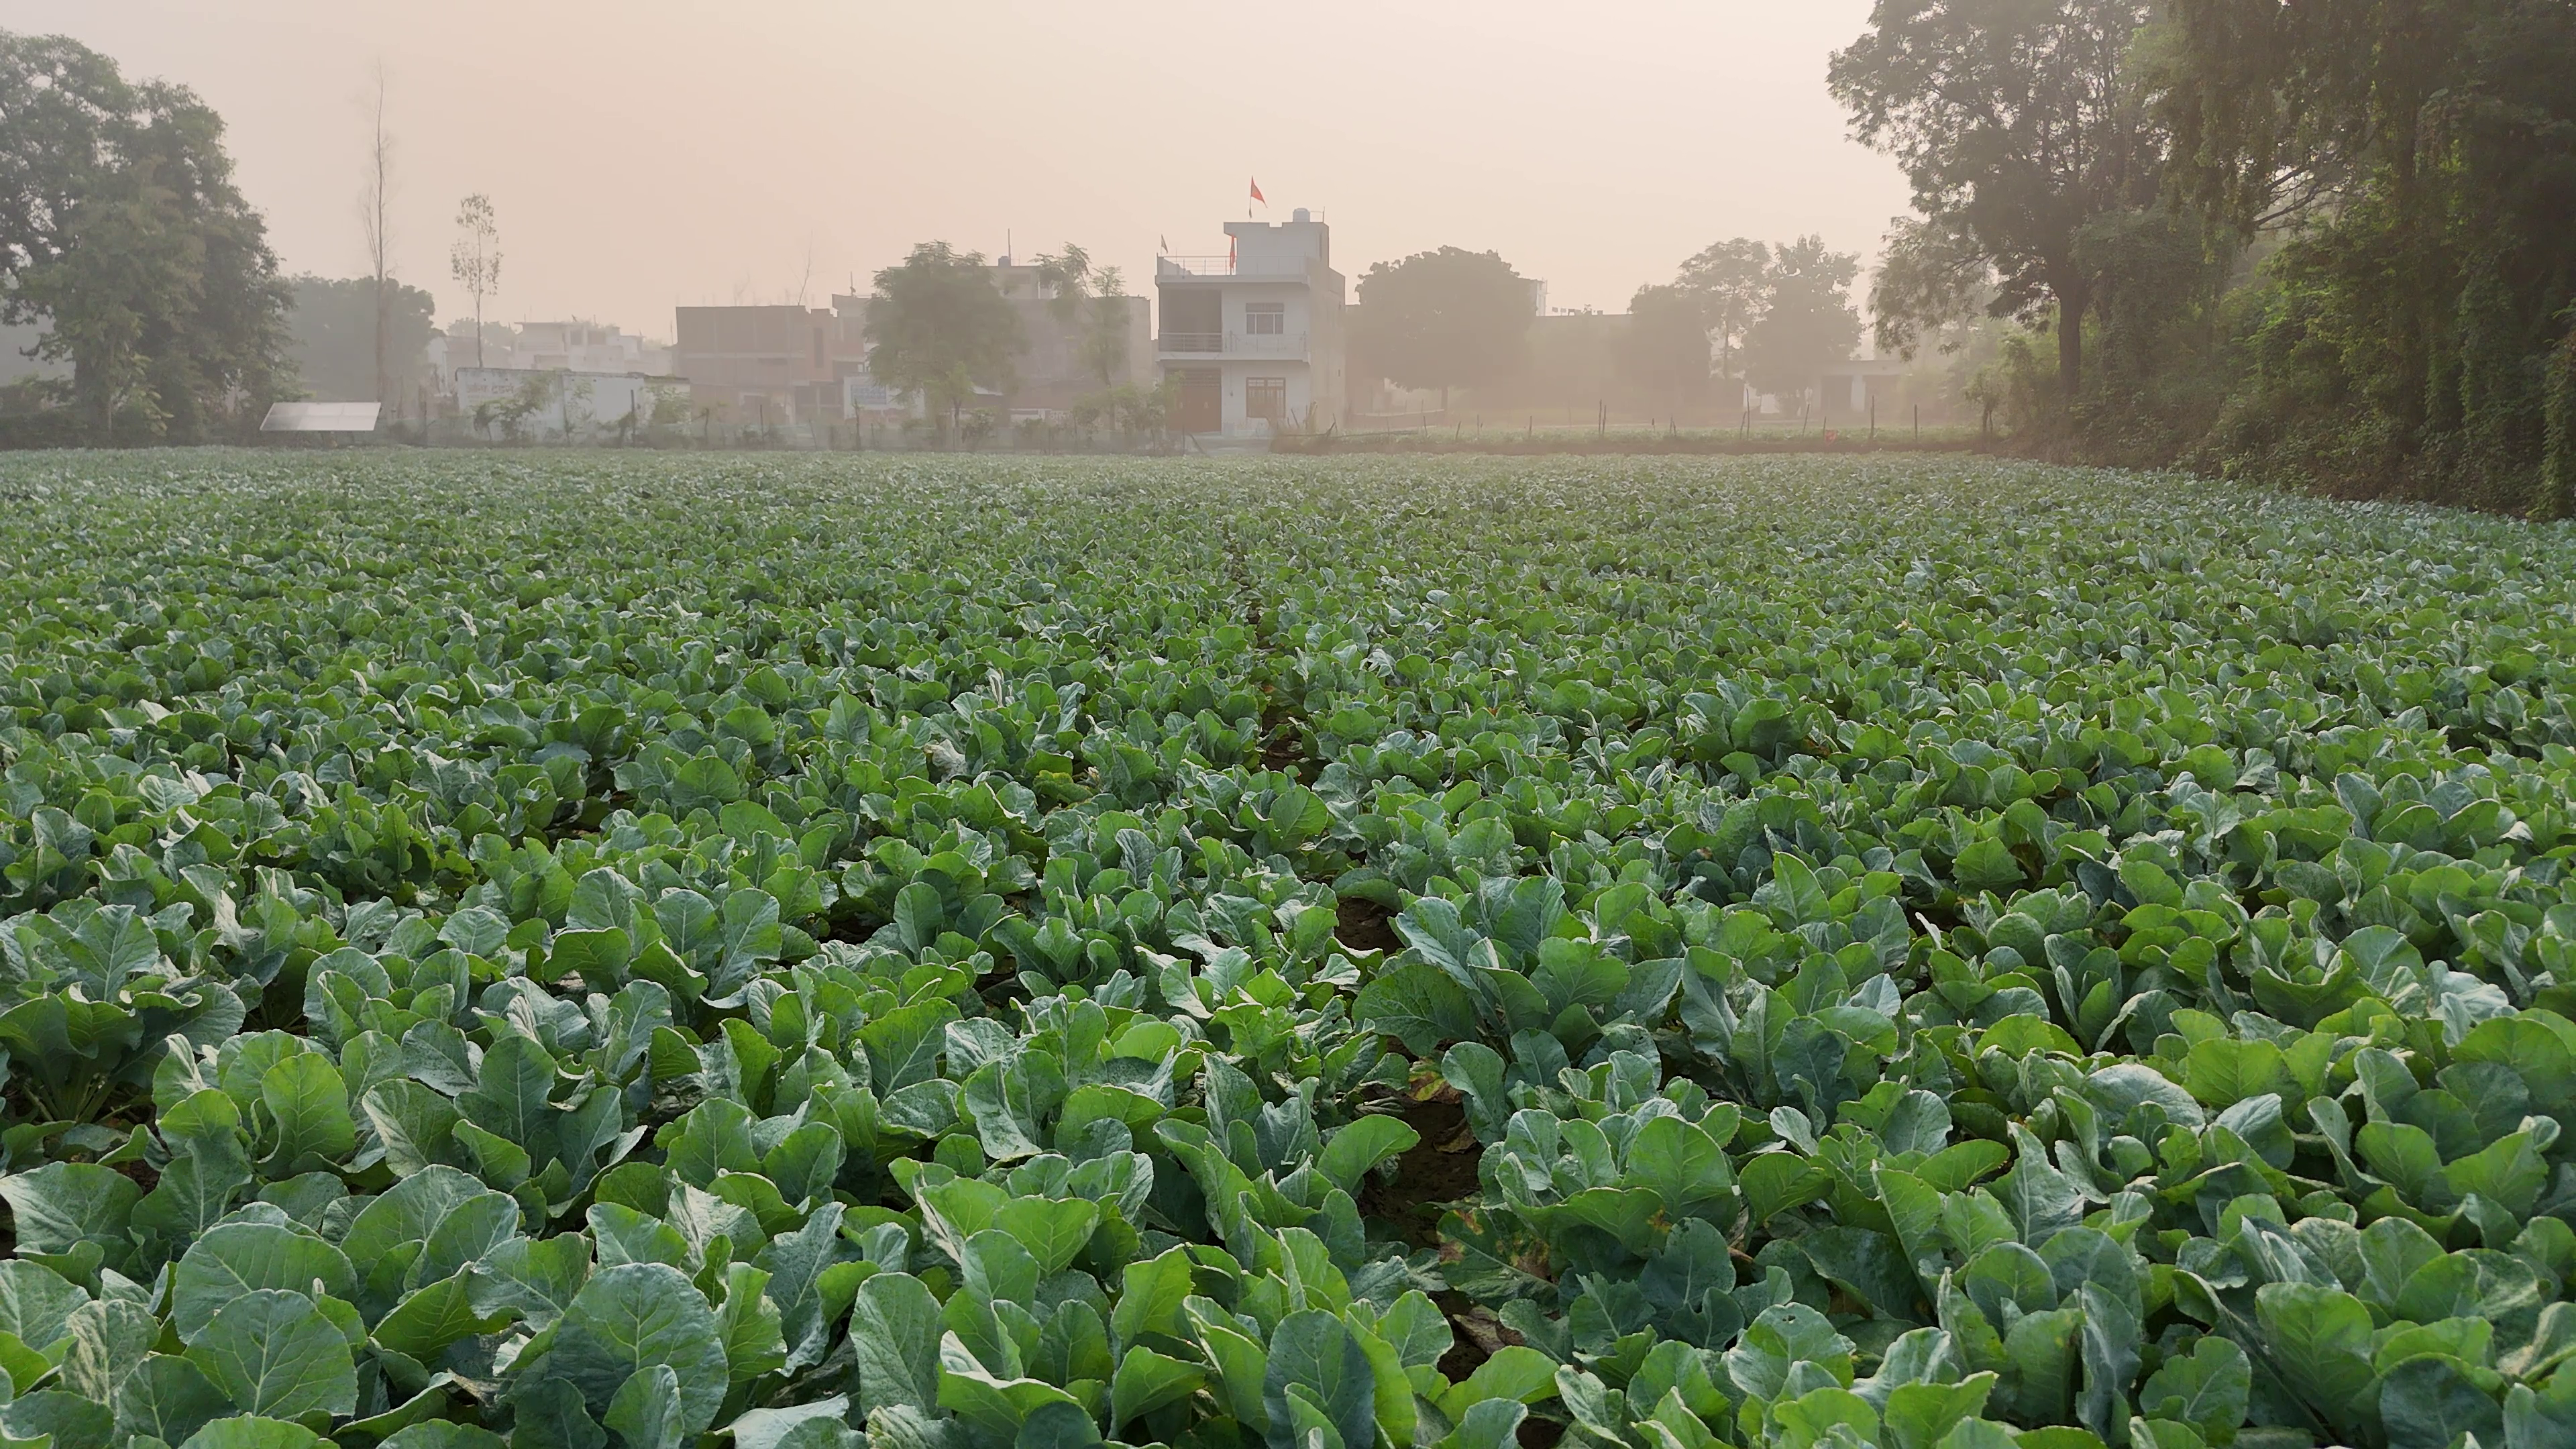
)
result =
(1252, 341)
(557, 404)
(589, 347)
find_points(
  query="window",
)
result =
(1265, 319)
(1266, 397)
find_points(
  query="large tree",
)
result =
(1090, 302)
(1444, 319)
(335, 323)
(1732, 282)
(1808, 322)
(1664, 350)
(121, 233)
(2020, 123)
(2420, 155)
(938, 326)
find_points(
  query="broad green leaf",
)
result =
(634, 1315)
(274, 1353)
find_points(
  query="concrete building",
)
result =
(579, 346)
(770, 365)
(797, 365)
(559, 404)
(1855, 391)
(1252, 342)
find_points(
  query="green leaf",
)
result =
(511, 1097)
(1920, 1415)
(796, 1264)
(1053, 1231)
(1349, 1154)
(274, 1353)
(632, 1316)
(1419, 1005)
(252, 1432)
(61, 1205)
(748, 1322)
(307, 1109)
(442, 1434)
(1151, 1296)
(65, 1418)
(793, 1426)
(1313, 1351)
(895, 1333)
(167, 1398)
(1521, 1374)
(431, 1318)
(2207, 1387)
(997, 1406)
(647, 1413)
(2319, 1341)
(36, 1303)
(1146, 1381)
(2428, 1403)
(1774, 1182)
(237, 1258)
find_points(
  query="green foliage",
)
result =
(1443, 319)
(2327, 245)
(1903, 955)
(335, 337)
(126, 238)
(1807, 321)
(941, 328)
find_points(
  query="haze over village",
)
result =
(566, 252)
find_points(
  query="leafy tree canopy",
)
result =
(1444, 319)
(940, 327)
(122, 232)
(334, 336)
(2018, 123)
(1808, 322)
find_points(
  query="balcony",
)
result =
(1290, 345)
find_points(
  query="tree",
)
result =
(940, 327)
(1808, 323)
(1732, 282)
(130, 260)
(1092, 302)
(2019, 123)
(122, 232)
(335, 323)
(1665, 349)
(1444, 319)
(2413, 159)
(375, 220)
(475, 260)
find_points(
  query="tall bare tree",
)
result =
(375, 217)
(475, 260)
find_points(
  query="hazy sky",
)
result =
(646, 153)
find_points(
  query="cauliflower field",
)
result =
(619, 952)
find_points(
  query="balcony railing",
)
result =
(1230, 266)
(1234, 344)
(1265, 344)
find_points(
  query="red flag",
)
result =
(1256, 192)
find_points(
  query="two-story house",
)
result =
(1252, 341)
